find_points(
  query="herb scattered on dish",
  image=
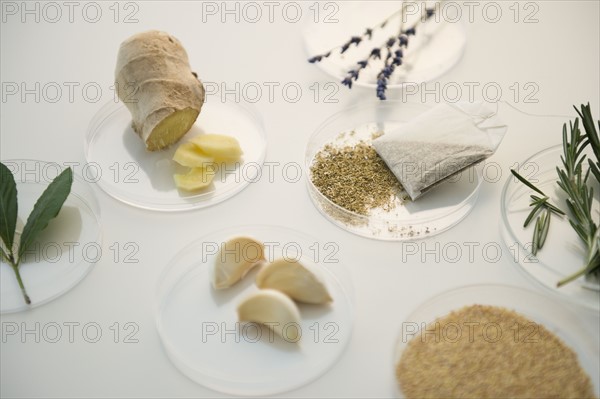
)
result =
(45, 209)
(574, 180)
(355, 178)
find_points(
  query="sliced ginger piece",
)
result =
(195, 179)
(221, 147)
(190, 155)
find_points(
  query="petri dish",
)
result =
(563, 253)
(200, 333)
(438, 45)
(64, 252)
(440, 209)
(125, 170)
(556, 316)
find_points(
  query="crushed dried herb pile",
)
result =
(488, 351)
(355, 178)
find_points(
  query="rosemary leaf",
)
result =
(545, 228)
(534, 212)
(536, 237)
(527, 183)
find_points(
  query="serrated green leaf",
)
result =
(8, 207)
(46, 208)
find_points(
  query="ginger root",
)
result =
(155, 82)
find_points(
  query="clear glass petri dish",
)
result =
(437, 46)
(201, 335)
(125, 170)
(65, 251)
(556, 316)
(563, 253)
(437, 211)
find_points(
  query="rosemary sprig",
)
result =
(573, 181)
(543, 210)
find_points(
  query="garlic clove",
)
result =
(234, 259)
(294, 280)
(273, 309)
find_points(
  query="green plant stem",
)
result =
(572, 277)
(23, 290)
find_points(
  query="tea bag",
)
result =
(440, 143)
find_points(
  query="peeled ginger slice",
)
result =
(195, 179)
(221, 147)
(188, 154)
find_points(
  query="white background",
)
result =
(559, 53)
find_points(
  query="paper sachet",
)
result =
(440, 143)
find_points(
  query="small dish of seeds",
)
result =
(494, 341)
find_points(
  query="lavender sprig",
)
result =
(393, 48)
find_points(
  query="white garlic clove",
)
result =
(273, 309)
(294, 280)
(234, 259)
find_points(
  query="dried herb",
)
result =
(392, 49)
(355, 178)
(45, 209)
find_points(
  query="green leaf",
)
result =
(533, 213)
(545, 228)
(595, 170)
(526, 182)
(536, 236)
(4, 256)
(46, 208)
(8, 207)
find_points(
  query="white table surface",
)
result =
(559, 54)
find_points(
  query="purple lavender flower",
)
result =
(347, 82)
(403, 40)
(355, 40)
(394, 54)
